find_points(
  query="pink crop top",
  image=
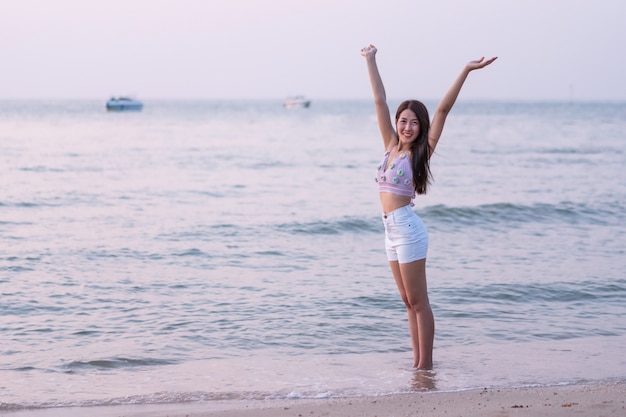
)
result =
(397, 178)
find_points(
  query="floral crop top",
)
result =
(396, 177)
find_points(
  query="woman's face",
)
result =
(408, 126)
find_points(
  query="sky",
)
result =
(268, 49)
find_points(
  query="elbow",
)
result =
(380, 100)
(443, 110)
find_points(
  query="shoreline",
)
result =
(594, 399)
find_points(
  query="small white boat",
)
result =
(296, 102)
(123, 104)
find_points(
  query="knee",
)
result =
(406, 302)
(418, 305)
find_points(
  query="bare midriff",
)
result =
(391, 202)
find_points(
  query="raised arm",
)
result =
(448, 100)
(387, 130)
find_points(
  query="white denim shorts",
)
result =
(406, 236)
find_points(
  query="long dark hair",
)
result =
(420, 148)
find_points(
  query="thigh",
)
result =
(411, 238)
(397, 276)
(413, 275)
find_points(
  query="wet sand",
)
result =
(607, 399)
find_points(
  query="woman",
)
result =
(404, 172)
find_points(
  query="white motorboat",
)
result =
(123, 104)
(295, 102)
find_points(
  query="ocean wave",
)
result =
(24, 204)
(41, 168)
(326, 227)
(15, 268)
(553, 292)
(511, 214)
(538, 311)
(585, 150)
(202, 232)
(113, 363)
(174, 397)
(494, 215)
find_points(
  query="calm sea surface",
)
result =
(199, 251)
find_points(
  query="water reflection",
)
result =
(424, 380)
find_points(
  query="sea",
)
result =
(202, 251)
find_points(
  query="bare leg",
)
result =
(414, 280)
(413, 324)
(411, 281)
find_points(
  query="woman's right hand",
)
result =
(369, 50)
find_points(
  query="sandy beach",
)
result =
(595, 400)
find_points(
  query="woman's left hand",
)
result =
(479, 63)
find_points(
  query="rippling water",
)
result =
(231, 250)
